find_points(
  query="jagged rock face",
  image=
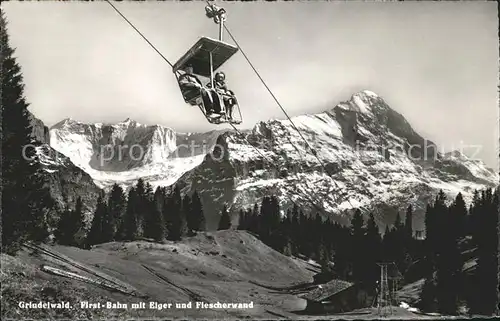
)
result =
(371, 158)
(124, 152)
(66, 181)
(216, 167)
(40, 132)
(116, 148)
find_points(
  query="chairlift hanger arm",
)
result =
(218, 14)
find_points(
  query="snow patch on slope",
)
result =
(124, 152)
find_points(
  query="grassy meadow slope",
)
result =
(224, 266)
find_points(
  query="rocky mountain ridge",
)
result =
(66, 181)
(370, 158)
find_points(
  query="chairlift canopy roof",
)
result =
(198, 56)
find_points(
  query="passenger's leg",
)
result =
(207, 101)
(230, 111)
(217, 102)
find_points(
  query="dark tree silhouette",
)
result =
(484, 296)
(428, 301)
(242, 220)
(130, 223)
(69, 225)
(101, 229)
(197, 217)
(357, 234)
(174, 216)
(117, 205)
(409, 222)
(25, 198)
(187, 212)
(156, 230)
(372, 252)
(225, 220)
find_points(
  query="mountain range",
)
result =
(359, 154)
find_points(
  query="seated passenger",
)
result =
(228, 97)
(191, 86)
(229, 102)
(189, 83)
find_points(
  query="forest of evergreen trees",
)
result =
(355, 249)
(451, 229)
(143, 214)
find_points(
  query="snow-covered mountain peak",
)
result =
(369, 93)
(127, 121)
(368, 102)
(65, 123)
(125, 151)
(361, 153)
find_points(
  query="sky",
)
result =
(434, 62)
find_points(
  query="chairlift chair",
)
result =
(205, 57)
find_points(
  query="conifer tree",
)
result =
(65, 231)
(117, 205)
(373, 249)
(342, 253)
(159, 198)
(25, 198)
(187, 212)
(79, 222)
(429, 291)
(149, 219)
(357, 233)
(409, 243)
(272, 222)
(70, 226)
(286, 234)
(197, 214)
(428, 301)
(100, 229)
(249, 219)
(486, 238)
(306, 248)
(156, 230)
(225, 220)
(398, 225)
(175, 219)
(448, 270)
(430, 237)
(153, 219)
(242, 224)
(130, 223)
(265, 218)
(145, 208)
(254, 225)
(324, 258)
(448, 262)
(400, 242)
(295, 230)
(459, 215)
(317, 238)
(409, 223)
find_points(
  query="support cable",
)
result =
(232, 125)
